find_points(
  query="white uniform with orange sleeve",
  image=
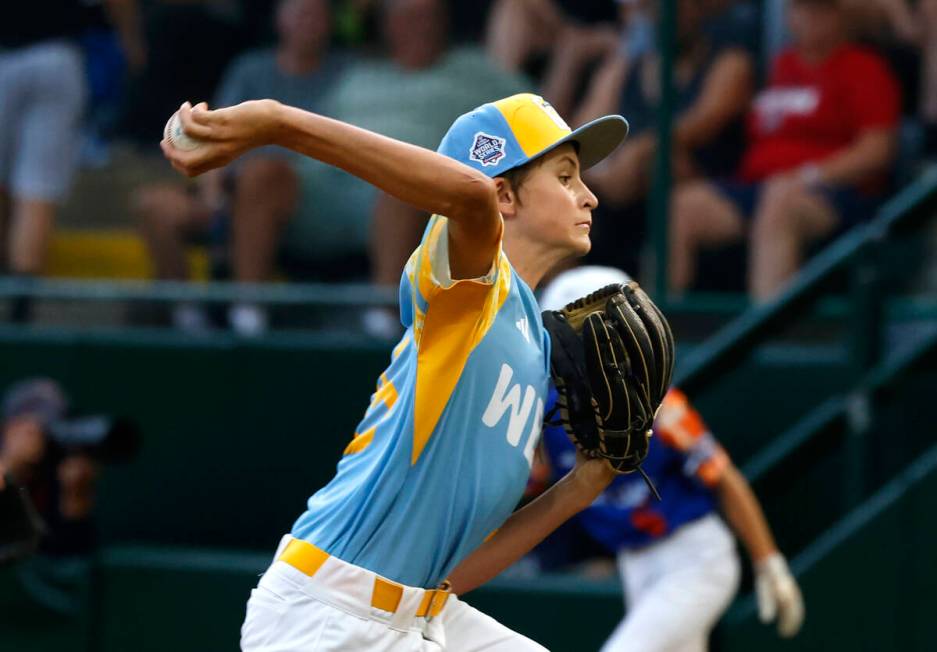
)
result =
(678, 560)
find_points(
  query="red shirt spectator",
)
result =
(809, 112)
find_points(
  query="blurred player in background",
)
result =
(677, 558)
(441, 458)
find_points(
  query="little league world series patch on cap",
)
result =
(499, 136)
(487, 150)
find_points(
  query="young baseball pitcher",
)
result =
(442, 455)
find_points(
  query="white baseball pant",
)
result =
(677, 589)
(332, 609)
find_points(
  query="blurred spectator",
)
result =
(470, 19)
(189, 45)
(734, 22)
(577, 52)
(42, 96)
(713, 83)
(906, 34)
(263, 189)
(822, 139)
(57, 458)
(520, 31)
(411, 95)
(720, 26)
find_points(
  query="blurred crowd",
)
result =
(774, 151)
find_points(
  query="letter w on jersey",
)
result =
(505, 399)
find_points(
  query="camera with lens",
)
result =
(49, 462)
(44, 402)
(105, 438)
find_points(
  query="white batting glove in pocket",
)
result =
(778, 595)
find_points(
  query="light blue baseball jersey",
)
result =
(442, 455)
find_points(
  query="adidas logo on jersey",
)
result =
(524, 328)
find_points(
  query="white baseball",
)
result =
(174, 133)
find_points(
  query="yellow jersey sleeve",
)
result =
(433, 273)
(457, 302)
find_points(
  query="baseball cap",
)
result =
(42, 398)
(499, 136)
(579, 281)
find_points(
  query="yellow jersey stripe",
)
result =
(456, 321)
(386, 392)
(360, 442)
(401, 347)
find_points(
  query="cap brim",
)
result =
(597, 139)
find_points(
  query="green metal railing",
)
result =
(853, 411)
(307, 294)
(887, 540)
(658, 215)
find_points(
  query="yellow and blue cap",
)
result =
(499, 136)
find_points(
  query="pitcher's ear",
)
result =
(507, 198)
